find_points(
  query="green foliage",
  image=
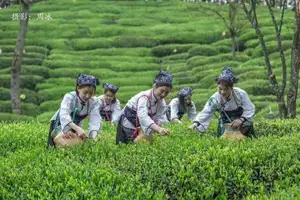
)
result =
(28, 48)
(30, 70)
(176, 57)
(272, 47)
(45, 116)
(50, 105)
(257, 87)
(27, 81)
(73, 72)
(30, 95)
(166, 50)
(203, 60)
(89, 43)
(134, 40)
(203, 50)
(4, 94)
(223, 49)
(171, 174)
(28, 109)
(9, 117)
(130, 41)
(55, 93)
(134, 52)
(188, 37)
(7, 61)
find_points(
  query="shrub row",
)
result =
(28, 109)
(30, 70)
(9, 117)
(172, 166)
(169, 49)
(7, 61)
(27, 81)
(203, 50)
(119, 41)
(135, 52)
(30, 95)
(101, 58)
(203, 60)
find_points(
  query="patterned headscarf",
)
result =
(227, 75)
(84, 79)
(185, 92)
(163, 77)
(110, 86)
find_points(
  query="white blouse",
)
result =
(174, 108)
(67, 106)
(241, 98)
(115, 108)
(146, 105)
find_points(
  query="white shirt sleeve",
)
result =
(192, 113)
(174, 109)
(142, 112)
(66, 106)
(95, 120)
(116, 113)
(205, 116)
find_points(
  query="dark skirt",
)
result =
(124, 135)
(168, 114)
(106, 115)
(50, 138)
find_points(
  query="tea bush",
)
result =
(203, 50)
(27, 81)
(182, 165)
(166, 50)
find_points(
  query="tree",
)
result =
(295, 64)
(290, 109)
(232, 26)
(17, 60)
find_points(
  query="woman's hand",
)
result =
(80, 132)
(236, 123)
(163, 131)
(193, 126)
(177, 121)
(93, 135)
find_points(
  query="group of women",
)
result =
(146, 112)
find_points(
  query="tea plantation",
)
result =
(184, 165)
(126, 43)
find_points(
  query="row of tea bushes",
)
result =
(182, 165)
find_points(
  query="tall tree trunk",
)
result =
(16, 64)
(295, 66)
(281, 89)
(252, 17)
(233, 26)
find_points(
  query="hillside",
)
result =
(126, 43)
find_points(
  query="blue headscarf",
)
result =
(163, 77)
(185, 92)
(227, 75)
(110, 86)
(84, 79)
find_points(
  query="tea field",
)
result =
(126, 43)
(184, 165)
